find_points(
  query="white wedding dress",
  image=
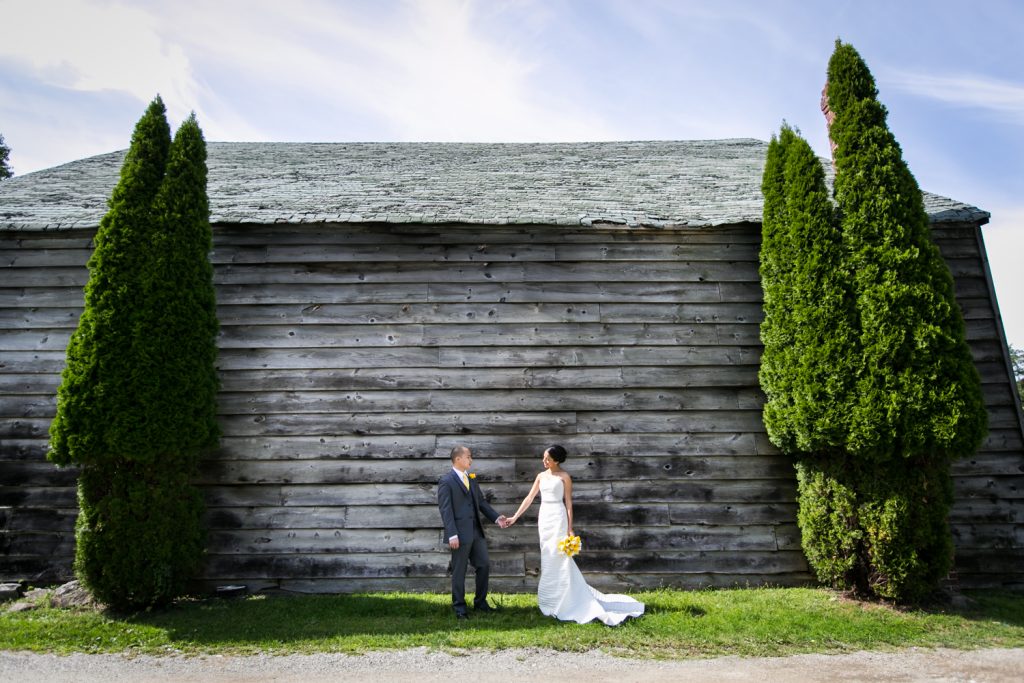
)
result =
(562, 591)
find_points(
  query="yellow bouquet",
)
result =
(570, 545)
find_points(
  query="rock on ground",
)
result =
(71, 594)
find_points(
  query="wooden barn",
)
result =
(380, 303)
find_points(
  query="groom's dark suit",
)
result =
(460, 513)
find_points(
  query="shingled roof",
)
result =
(639, 184)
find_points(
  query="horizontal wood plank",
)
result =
(27, 473)
(603, 377)
(408, 314)
(355, 565)
(461, 253)
(726, 237)
(710, 267)
(477, 335)
(485, 446)
(518, 538)
(25, 519)
(411, 423)
(596, 356)
(428, 470)
(444, 401)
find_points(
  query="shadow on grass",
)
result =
(1006, 607)
(290, 619)
(987, 605)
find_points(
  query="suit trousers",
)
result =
(471, 552)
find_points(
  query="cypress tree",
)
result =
(808, 327)
(176, 343)
(918, 404)
(919, 395)
(869, 379)
(810, 348)
(179, 329)
(777, 328)
(99, 418)
(874, 490)
(5, 153)
(136, 404)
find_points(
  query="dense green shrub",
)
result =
(136, 406)
(139, 535)
(881, 531)
(830, 531)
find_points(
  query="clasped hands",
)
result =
(503, 521)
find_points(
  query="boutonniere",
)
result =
(472, 476)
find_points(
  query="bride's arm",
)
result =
(568, 500)
(526, 501)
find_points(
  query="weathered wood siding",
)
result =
(353, 357)
(988, 515)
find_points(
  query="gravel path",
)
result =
(522, 666)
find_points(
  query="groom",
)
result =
(461, 502)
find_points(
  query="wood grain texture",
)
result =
(353, 357)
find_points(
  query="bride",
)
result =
(562, 591)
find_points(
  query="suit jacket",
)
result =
(460, 508)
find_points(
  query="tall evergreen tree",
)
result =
(99, 418)
(808, 330)
(136, 404)
(919, 394)
(873, 472)
(918, 404)
(778, 327)
(179, 327)
(5, 154)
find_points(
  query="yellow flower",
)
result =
(570, 546)
(472, 476)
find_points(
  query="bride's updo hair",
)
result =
(557, 454)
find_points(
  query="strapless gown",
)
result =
(563, 592)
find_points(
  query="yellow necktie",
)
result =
(465, 480)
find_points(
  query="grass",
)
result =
(749, 622)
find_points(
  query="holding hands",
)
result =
(505, 522)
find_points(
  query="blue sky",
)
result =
(75, 75)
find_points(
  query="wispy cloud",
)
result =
(1004, 99)
(95, 47)
(255, 70)
(423, 70)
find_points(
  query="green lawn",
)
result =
(746, 622)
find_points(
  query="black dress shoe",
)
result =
(484, 607)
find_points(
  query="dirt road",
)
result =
(521, 666)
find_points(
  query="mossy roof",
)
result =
(656, 184)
